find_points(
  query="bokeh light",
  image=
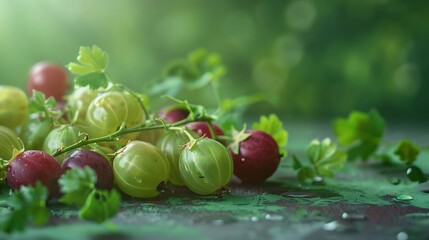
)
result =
(319, 59)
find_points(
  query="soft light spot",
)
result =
(300, 14)
(254, 219)
(288, 51)
(239, 28)
(402, 236)
(406, 79)
(269, 76)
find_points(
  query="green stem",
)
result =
(121, 131)
(212, 131)
(215, 87)
(191, 138)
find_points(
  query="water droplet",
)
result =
(310, 193)
(402, 236)
(395, 181)
(254, 219)
(333, 226)
(353, 216)
(404, 197)
(318, 180)
(242, 159)
(299, 195)
(274, 217)
(138, 179)
(415, 174)
(218, 220)
(339, 226)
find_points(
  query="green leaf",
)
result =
(229, 105)
(198, 70)
(91, 68)
(306, 174)
(182, 69)
(170, 86)
(76, 184)
(361, 132)
(90, 60)
(93, 80)
(273, 126)
(204, 62)
(14, 221)
(100, 205)
(39, 103)
(407, 151)
(29, 203)
(296, 163)
(325, 156)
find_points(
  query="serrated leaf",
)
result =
(91, 68)
(14, 221)
(28, 203)
(47, 107)
(407, 151)
(76, 184)
(39, 103)
(90, 60)
(361, 132)
(100, 205)
(50, 103)
(320, 151)
(325, 156)
(93, 80)
(273, 126)
(78, 69)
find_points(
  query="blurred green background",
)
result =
(316, 59)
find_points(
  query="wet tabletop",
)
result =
(363, 201)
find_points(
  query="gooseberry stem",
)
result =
(215, 87)
(122, 131)
(211, 129)
(191, 138)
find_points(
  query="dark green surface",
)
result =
(281, 208)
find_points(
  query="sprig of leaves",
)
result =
(363, 132)
(407, 151)
(231, 110)
(78, 186)
(323, 157)
(360, 132)
(272, 125)
(100, 205)
(91, 68)
(26, 205)
(47, 106)
(199, 69)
